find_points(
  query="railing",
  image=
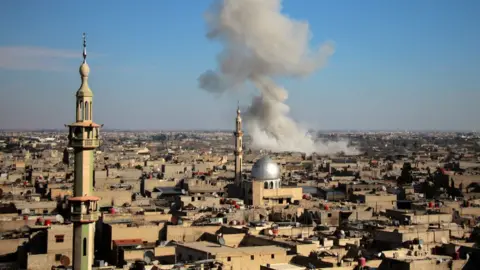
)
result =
(85, 142)
(91, 217)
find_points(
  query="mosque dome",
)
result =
(265, 169)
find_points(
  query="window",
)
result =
(84, 246)
(329, 214)
(265, 186)
(58, 257)
(45, 211)
(81, 111)
(252, 257)
(59, 238)
(229, 259)
(273, 256)
(87, 109)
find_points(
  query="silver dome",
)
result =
(265, 169)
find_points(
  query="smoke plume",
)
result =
(259, 45)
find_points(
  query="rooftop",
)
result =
(216, 249)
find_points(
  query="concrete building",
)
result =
(84, 138)
(232, 258)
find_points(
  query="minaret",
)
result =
(238, 148)
(84, 138)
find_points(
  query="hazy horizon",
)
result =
(398, 65)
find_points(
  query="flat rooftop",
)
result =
(285, 266)
(216, 249)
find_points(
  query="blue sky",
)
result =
(399, 64)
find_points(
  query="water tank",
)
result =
(457, 255)
(174, 220)
(47, 222)
(326, 207)
(362, 262)
(113, 211)
(430, 205)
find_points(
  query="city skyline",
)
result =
(415, 71)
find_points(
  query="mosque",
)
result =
(264, 186)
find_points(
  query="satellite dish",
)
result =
(220, 239)
(65, 260)
(148, 257)
(26, 211)
(270, 232)
(59, 219)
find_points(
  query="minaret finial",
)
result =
(84, 48)
(238, 107)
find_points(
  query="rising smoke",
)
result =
(259, 45)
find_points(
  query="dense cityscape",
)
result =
(197, 200)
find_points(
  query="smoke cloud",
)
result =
(259, 45)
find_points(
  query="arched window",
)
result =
(81, 111)
(84, 246)
(87, 110)
(91, 104)
(265, 185)
(271, 185)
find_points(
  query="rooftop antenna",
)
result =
(84, 47)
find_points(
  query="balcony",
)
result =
(85, 218)
(85, 143)
(84, 209)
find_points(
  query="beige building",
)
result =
(264, 187)
(240, 258)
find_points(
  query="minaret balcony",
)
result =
(84, 143)
(238, 133)
(84, 209)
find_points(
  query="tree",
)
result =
(406, 175)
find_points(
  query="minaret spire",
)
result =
(84, 48)
(84, 90)
(238, 147)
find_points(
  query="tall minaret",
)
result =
(238, 148)
(84, 138)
